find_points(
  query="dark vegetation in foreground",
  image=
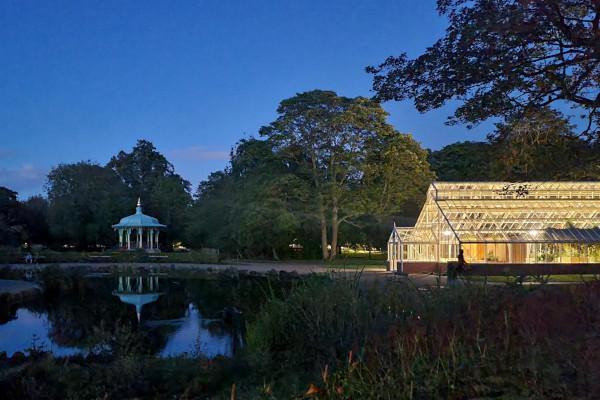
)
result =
(338, 338)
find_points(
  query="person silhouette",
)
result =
(461, 261)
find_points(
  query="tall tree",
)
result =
(332, 139)
(10, 224)
(502, 57)
(142, 168)
(164, 193)
(34, 217)
(463, 161)
(248, 209)
(538, 145)
(169, 201)
(84, 200)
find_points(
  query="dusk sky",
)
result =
(83, 80)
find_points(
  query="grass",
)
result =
(341, 340)
(344, 339)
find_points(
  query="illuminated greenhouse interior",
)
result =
(501, 222)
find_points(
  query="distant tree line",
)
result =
(328, 171)
(84, 199)
(540, 146)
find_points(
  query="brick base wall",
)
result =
(529, 269)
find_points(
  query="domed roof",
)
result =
(138, 220)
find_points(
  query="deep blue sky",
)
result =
(81, 80)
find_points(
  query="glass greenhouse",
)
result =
(500, 222)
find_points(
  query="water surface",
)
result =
(134, 314)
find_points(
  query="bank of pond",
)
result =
(128, 333)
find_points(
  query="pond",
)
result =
(150, 314)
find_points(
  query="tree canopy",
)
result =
(85, 199)
(344, 148)
(501, 58)
(463, 161)
(149, 175)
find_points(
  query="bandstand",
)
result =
(139, 231)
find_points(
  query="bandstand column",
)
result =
(128, 239)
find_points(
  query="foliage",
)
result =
(84, 198)
(501, 58)
(463, 161)
(538, 145)
(393, 341)
(34, 216)
(124, 377)
(10, 229)
(164, 194)
(248, 209)
(346, 153)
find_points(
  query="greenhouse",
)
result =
(500, 222)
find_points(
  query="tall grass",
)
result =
(390, 340)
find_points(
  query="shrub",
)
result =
(394, 341)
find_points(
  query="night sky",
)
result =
(81, 80)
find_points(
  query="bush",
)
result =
(393, 341)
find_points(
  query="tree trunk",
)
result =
(324, 235)
(335, 225)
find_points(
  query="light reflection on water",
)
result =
(199, 336)
(169, 325)
(29, 327)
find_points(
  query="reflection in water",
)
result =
(96, 315)
(199, 336)
(138, 291)
(29, 327)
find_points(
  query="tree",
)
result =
(34, 217)
(503, 57)
(10, 226)
(334, 141)
(538, 145)
(141, 169)
(248, 209)
(164, 193)
(169, 201)
(463, 161)
(85, 199)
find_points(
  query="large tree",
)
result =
(503, 57)
(34, 217)
(84, 200)
(539, 145)
(10, 224)
(463, 161)
(141, 168)
(333, 140)
(250, 208)
(164, 194)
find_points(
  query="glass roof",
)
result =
(503, 212)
